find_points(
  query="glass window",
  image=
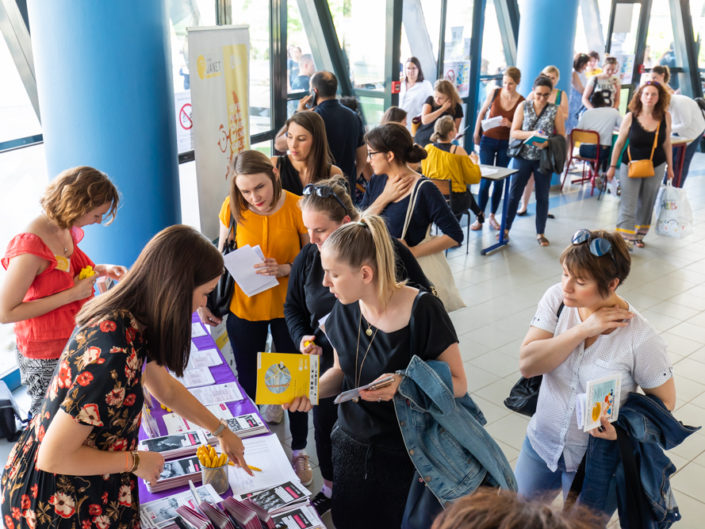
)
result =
(256, 15)
(456, 64)
(17, 116)
(300, 65)
(372, 109)
(697, 12)
(626, 23)
(659, 40)
(432, 16)
(494, 59)
(23, 178)
(360, 26)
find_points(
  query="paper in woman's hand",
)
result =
(241, 265)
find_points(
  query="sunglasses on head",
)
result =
(599, 246)
(324, 192)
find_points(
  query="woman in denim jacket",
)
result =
(597, 334)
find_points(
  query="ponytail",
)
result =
(367, 242)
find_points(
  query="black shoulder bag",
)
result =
(525, 393)
(219, 300)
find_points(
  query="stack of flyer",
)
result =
(177, 445)
(176, 473)
(276, 500)
(243, 426)
(161, 513)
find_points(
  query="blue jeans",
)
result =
(492, 152)
(690, 151)
(589, 151)
(534, 478)
(542, 183)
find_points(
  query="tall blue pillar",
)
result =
(546, 35)
(106, 100)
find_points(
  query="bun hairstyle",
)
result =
(442, 128)
(395, 138)
(542, 80)
(329, 205)
(580, 61)
(367, 242)
(249, 163)
(177, 256)
(75, 192)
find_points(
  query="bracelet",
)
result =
(613, 166)
(219, 430)
(135, 460)
(127, 462)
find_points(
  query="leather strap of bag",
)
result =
(653, 149)
(412, 204)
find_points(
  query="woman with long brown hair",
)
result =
(309, 158)
(76, 464)
(647, 125)
(445, 101)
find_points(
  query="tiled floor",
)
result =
(667, 284)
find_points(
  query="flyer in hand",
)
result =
(283, 376)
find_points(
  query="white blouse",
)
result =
(635, 351)
(412, 100)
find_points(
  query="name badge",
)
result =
(62, 263)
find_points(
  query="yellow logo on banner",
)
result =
(208, 67)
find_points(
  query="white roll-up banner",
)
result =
(219, 66)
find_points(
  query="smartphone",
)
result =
(312, 102)
(381, 383)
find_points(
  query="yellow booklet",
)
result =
(283, 376)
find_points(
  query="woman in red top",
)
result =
(42, 292)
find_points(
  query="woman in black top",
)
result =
(325, 207)
(309, 158)
(444, 102)
(647, 124)
(372, 338)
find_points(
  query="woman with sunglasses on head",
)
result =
(583, 330)
(309, 158)
(536, 116)
(647, 126)
(42, 291)
(268, 216)
(325, 207)
(372, 337)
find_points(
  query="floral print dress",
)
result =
(98, 383)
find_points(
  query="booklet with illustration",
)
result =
(178, 445)
(283, 376)
(601, 397)
(535, 138)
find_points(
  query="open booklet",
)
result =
(601, 397)
(535, 138)
(283, 376)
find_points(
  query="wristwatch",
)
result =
(219, 430)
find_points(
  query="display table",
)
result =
(493, 172)
(222, 374)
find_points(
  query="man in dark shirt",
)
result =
(343, 127)
(306, 69)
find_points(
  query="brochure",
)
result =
(241, 265)
(171, 446)
(176, 473)
(535, 138)
(244, 426)
(228, 392)
(174, 423)
(161, 512)
(283, 376)
(491, 123)
(601, 397)
(278, 498)
(301, 517)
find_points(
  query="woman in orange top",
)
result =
(268, 216)
(42, 291)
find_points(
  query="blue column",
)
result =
(106, 100)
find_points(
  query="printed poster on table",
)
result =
(219, 65)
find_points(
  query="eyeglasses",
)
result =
(542, 94)
(324, 192)
(599, 246)
(370, 154)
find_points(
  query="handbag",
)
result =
(524, 395)
(515, 146)
(674, 216)
(219, 300)
(435, 266)
(642, 168)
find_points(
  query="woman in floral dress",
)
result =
(76, 465)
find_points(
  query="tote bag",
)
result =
(435, 266)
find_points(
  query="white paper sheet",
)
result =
(264, 452)
(486, 171)
(196, 377)
(218, 393)
(203, 359)
(491, 123)
(197, 330)
(240, 263)
(175, 423)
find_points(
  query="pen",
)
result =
(256, 469)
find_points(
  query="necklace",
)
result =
(358, 369)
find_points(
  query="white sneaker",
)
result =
(272, 413)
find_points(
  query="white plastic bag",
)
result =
(674, 218)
